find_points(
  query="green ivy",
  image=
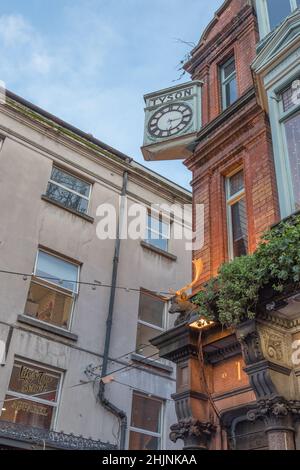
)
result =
(234, 294)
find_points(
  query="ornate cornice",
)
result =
(222, 354)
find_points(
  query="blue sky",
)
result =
(91, 61)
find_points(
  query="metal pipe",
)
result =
(120, 414)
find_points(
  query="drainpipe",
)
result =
(120, 414)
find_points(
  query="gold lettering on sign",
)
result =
(30, 408)
(34, 381)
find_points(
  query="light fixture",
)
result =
(200, 324)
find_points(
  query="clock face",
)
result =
(169, 120)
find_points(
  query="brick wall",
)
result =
(240, 136)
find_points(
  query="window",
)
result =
(69, 190)
(151, 322)
(236, 215)
(271, 13)
(53, 289)
(290, 119)
(228, 83)
(146, 423)
(158, 232)
(32, 396)
(278, 10)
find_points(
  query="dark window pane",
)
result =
(298, 3)
(292, 129)
(70, 182)
(146, 413)
(278, 11)
(48, 305)
(32, 380)
(239, 228)
(139, 441)
(229, 68)
(231, 92)
(143, 345)
(67, 199)
(151, 309)
(236, 183)
(27, 412)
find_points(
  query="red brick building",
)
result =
(236, 388)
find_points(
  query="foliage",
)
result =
(234, 294)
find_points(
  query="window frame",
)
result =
(34, 399)
(283, 117)
(55, 287)
(225, 81)
(160, 218)
(159, 435)
(230, 201)
(151, 325)
(74, 175)
(263, 16)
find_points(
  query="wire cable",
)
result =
(95, 284)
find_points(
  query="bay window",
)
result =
(236, 215)
(290, 120)
(146, 423)
(32, 396)
(273, 12)
(53, 289)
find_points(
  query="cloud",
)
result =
(90, 61)
(14, 30)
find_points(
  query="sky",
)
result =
(90, 62)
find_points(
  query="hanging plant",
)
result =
(233, 296)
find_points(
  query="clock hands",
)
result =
(173, 120)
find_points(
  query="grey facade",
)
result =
(70, 355)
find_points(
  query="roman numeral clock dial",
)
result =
(169, 120)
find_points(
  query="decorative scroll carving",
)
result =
(275, 411)
(193, 432)
(251, 347)
(57, 440)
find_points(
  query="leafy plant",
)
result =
(234, 294)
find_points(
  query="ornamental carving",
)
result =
(274, 411)
(52, 439)
(192, 429)
(275, 345)
(180, 304)
(251, 347)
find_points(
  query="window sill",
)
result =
(47, 327)
(72, 211)
(158, 251)
(150, 362)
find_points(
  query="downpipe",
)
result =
(110, 407)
